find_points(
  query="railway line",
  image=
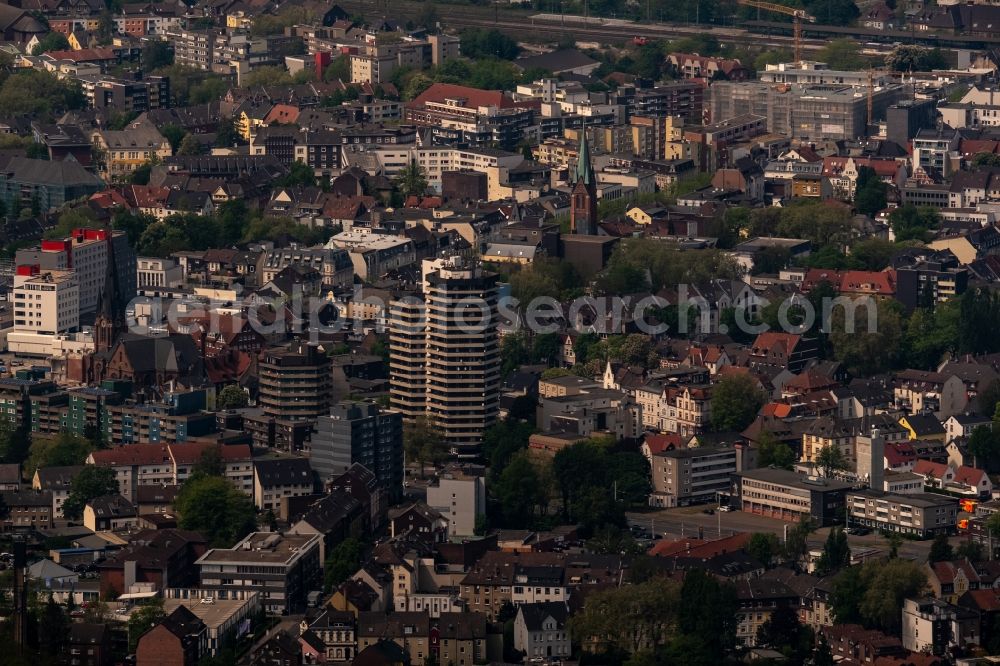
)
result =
(553, 26)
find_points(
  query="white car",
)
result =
(208, 600)
(725, 508)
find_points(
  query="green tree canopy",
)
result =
(736, 399)
(231, 397)
(215, 508)
(90, 482)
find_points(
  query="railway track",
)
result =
(554, 26)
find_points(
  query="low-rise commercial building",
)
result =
(691, 476)
(785, 495)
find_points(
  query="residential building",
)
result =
(283, 569)
(56, 481)
(360, 433)
(458, 114)
(123, 151)
(158, 558)
(179, 639)
(790, 496)
(443, 363)
(541, 631)
(108, 513)
(28, 509)
(459, 496)
(920, 515)
(691, 476)
(276, 478)
(87, 251)
(932, 626)
(296, 382)
(46, 303)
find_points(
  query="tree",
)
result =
(913, 58)
(53, 628)
(763, 547)
(911, 222)
(213, 507)
(941, 550)
(53, 41)
(773, 453)
(143, 619)
(972, 550)
(299, 174)
(873, 594)
(984, 444)
(231, 397)
(735, 402)
(519, 491)
(844, 54)
(836, 552)
(823, 656)
(865, 349)
(90, 482)
(628, 618)
(424, 443)
(870, 197)
(781, 629)
(64, 450)
(190, 145)
(38, 93)
(342, 562)
(796, 544)
(708, 613)
(210, 463)
(157, 53)
(831, 459)
(339, 69)
(411, 181)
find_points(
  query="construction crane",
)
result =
(796, 14)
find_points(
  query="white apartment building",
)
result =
(435, 160)
(460, 496)
(46, 303)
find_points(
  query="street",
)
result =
(692, 521)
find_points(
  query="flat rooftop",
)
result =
(214, 615)
(262, 548)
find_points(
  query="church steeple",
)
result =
(110, 321)
(583, 201)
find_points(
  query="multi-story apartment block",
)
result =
(459, 496)
(362, 433)
(129, 96)
(920, 515)
(457, 114)
(295, 382)
(156, 465)
(458, 340)
(46, 302)
(376, 60)
(86, 252)
(283, 569)
(691, 476)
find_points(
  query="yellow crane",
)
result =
(796, 14)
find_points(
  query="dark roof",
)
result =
(183, 623)
(111, 506)
(382, 653)
(556, 61)
(283, 472)
(57, 477)
(63, 173)
(27, 498)
(153, 549)
(156, 494)
(536, 614)
(328, 512)
(924, 424)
